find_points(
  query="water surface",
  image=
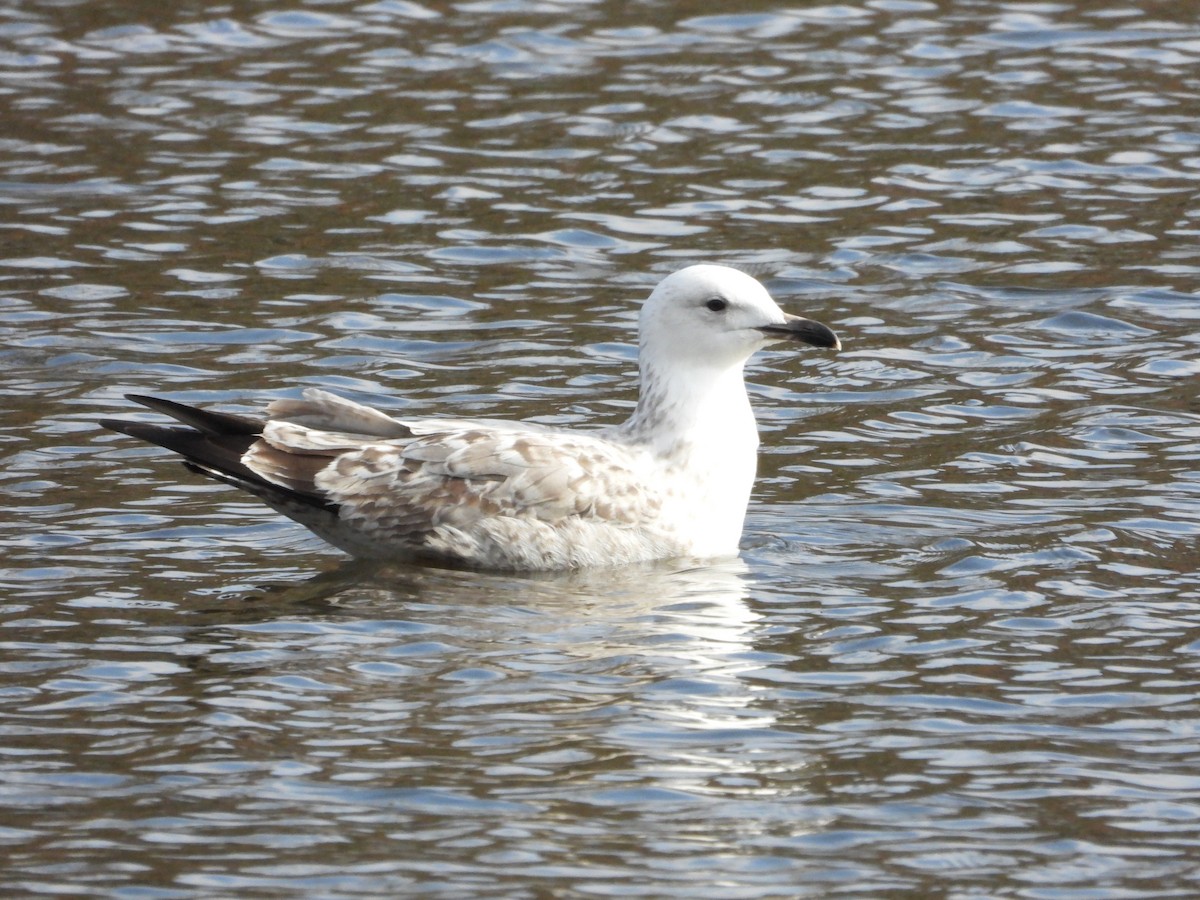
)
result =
(955, 658)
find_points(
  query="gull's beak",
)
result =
(806, 331)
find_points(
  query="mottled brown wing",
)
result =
(458, 478)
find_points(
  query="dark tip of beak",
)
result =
(806, 331)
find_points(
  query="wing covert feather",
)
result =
(461, 477)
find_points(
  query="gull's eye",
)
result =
(716, 304)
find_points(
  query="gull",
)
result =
(674, 480)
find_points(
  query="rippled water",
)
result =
(956, 658)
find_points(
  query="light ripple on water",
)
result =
(958, 653)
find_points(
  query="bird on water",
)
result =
(674, 480)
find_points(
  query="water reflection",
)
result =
(592, 638)
(408, 703)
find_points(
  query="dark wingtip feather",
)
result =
(205, 420)
(223, 453)
(213, 446)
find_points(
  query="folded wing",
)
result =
(375, 485)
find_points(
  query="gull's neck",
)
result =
(684, 405)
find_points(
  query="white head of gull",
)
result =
(672, 481)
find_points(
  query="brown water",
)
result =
(957, 657)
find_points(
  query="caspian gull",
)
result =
(672, 481)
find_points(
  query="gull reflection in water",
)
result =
(667, 643)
